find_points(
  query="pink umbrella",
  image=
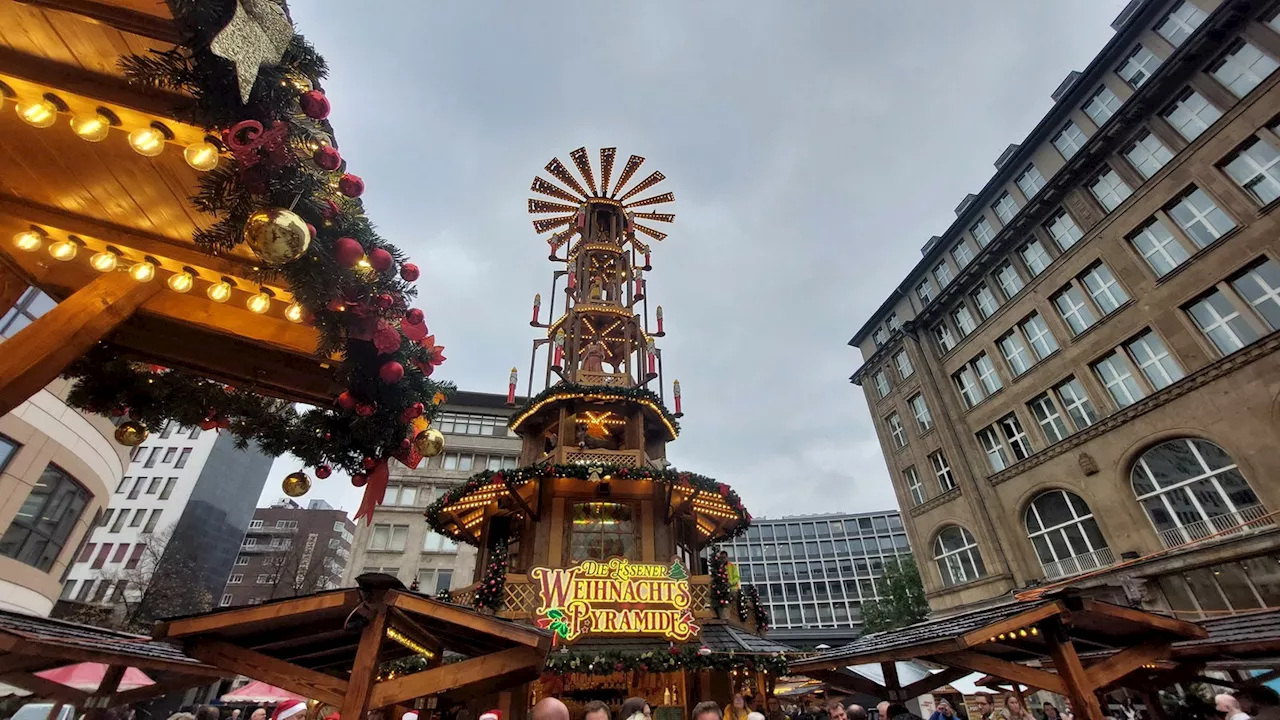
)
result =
(88, 676)
(260, 692)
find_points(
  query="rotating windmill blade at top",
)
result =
(578, 191)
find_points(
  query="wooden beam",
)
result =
(519, 634)
(1077, 685)
(58, 654)
(359, 688)
(304, 681)
(1012, 672)
(47, 689)
(1106, 671)
(106, 688)
(1008, 625)
(403, 622)
(932, 682)
(906, 652)
(1264, 678)
(39, 353)
(455, 675)
(114, 16)
(27, 663)
(210, 622)
(108, 89)
(1181, 628)
(12, 285)
(849, 682)
(890, 671)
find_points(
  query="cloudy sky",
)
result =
(813, 147)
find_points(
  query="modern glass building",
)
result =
(815, 571)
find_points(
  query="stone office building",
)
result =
(1078, 381)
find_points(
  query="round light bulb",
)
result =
(147, 141)
(91, 128)
(181, 282)
(258, 303)
(28, 240)
(104, 261)
(202, 156)
(219, 292)
(64, 251)
(293, 313)
(143, 271)
(38, 113)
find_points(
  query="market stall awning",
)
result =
(89, 676)
(329, 646)
(260, 692)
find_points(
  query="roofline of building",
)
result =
(825, 516)
(472, 398)
(1128, 24)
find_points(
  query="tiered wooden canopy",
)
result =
(328, 646)
(104, 194)
(1006, 641)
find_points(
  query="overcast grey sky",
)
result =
(813, 146)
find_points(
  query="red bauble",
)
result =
(385, 301)
(314, 104)
(414, 317)
(359, 479)
(118, 412)
(337, 305)
(365, 410)
(391, 372)
(324, 471)
(347, 251)
(674, 650)
(208, 424)
(408, 414)
(327, 157)
(311, 231)
(409, 272)
(369, 463)
(346, 400)
(351, 186)
(328, 436)
(381, 260)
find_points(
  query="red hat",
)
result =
(289, 709)
(411, 715)
(491, 715)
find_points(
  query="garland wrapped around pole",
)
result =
(752, 594)
(721, 592)
(490, 591)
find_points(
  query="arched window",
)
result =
(1192, 489)
(957, 555)
(1065, 535)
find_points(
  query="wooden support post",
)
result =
(54, 711)
(1072, 672)
(42, 350)
(891, 683)
(1152, 700)
(365, 667)
(106, 688)
(12, 285)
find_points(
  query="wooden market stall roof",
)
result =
(329, 645)
(1000, 640)
(31, 644)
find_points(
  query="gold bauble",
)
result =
(130, 433)
(277, 236)
(429, 442)
(296, 484)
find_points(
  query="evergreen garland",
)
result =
(744, 610)
(489, 594)
(445, 595)
(685, 657)
(721, 592)
(762, 612)
(531, 473)
(603, 392)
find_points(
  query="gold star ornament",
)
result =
(257, 35)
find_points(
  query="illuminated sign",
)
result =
(615, 597)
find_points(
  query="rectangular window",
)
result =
(879, 336)
(1076, 403)
(182, 458)
(1218, 319)
(1147, 154)
(86, 552)
(1046, 414)
(602, 530)
(1103, 287)
(152, 519)
(984, 300)
(963, 320)
(1069, 140)
(121, 550)
(1138, 67)
(101, 559)
(124, 483)
(1030, 181)
(1038, 334)
(1191, 114)
(1183, 20)
(136, 556)
(896, 430)
(986, 371)
(924, 291)
(1009, 279)
(472, 424)
(1073, 309)
(1151, 356)
(152, 457)
(982, 232)
(388, 537)
(120, 520)
(892, 322)
(1102, 106)
(1005, 208)
(942, 471)
(1254, 169)
(242, 559)
(226, 600)
(903, 363)
(1017, 438)
(924, 421)
(235, 579)
(1113, 371)
(967, 385)
(1260, 287)
(138, 483)
(942, 274)
(167, 490)
(962, 254)
(168, 454)
(1035, 257)
(1109, 189)
(45, 519)
(106, 517)
(1015, 353)
(997, 457)
(154, 485)
(437, 543)
(1158, 247)
(1243, 68)
(914, 487)
(137, 517)
(255, 524)
(1064, 231)
(942, 334)
(1200, 218)
(881, 382)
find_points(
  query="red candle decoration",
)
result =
(647, 264)
(511, 388)
(660, 331)
(653, 359)
(573, 280)
(558, 361)
(675, 392)
(537, 306)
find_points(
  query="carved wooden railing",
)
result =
(584, 377)
(590, 456)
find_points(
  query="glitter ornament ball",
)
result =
(131, 433)
(296, 484)
(277, 236)
(429, 442)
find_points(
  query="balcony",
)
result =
(272, 530)
(572, 455)
(263, 548)
(585, 377)
(1219, 527)
(1080, 564)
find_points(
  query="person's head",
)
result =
(596, 710)
(835, 708)
(882, 708)
(633, 706)
(944, 707)
(754, 715)
(984, 703)
(1050, 711)
(896, 709)
(856, 712)
(235, 714)
(258, 714)
(1012, 703)
(739, 702)
(548, 709)
(1226, 703)
(707, 710)
(773, 704)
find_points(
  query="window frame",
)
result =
(66, 496)
(920, 409)
(1246, 71)
(942, 472)
(1136, 72)
(1063, 230)
(1143, 157)
(897, 431)
(1182, 106)
(982, 232)
(1113, 189)
(1035, 181)
(1064, 138)
(1102, 100)
(915, 489)
(1004, 206)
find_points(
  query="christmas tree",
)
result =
(489, 592)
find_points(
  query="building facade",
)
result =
(1081, 370)
(398, 541)
(180, 511)
(814, 572)
(57, 469)
(290, 550)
